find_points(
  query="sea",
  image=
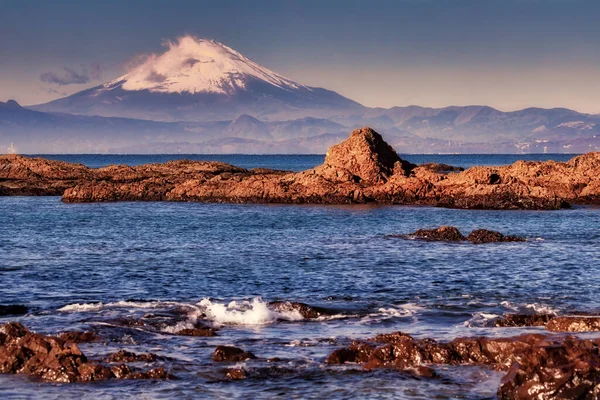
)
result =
(93, 266)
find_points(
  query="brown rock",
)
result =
(235, 374)
(53, 359)
(155, 374)
(574, 324)
(357, 353)
(486, 236)
(200, 332)
(514, 320)
(362, 169)
(231, 354)
(443, 233)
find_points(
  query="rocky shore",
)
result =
(362, 169)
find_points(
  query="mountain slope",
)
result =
(201, 80)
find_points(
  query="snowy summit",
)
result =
(195, 65)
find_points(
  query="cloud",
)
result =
(71, 76)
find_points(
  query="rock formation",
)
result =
(538, 366)
(362, 169)
(452, 234)
(57, 360)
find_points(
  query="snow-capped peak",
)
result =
(195, 65)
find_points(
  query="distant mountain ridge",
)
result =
(201, 96)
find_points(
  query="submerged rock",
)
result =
(486, 236)
(306, 311)
(79, 337)
(15, 309)
(200, 332)
(236, 374)
(231, 354)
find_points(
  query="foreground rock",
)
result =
(519, 320)
(452, 234)
(54, 359)
(574, 324)
(537, 366)
(362, 169)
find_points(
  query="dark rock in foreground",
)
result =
(362, 169)
(574, 324)
(54, 359)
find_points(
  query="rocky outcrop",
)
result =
(54, 359)
(537, 366)
(362, 169)
(199, 332)
(79, 337)
(452, 234)
(124, 356)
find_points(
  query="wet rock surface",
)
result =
(452, 234)
(518, 320)
(129, 357)
(79, 337)
(487, 236)
(538, 366)
(362, 169)
(53, 359)
(231, 354)
(304, 310)
(443, 233)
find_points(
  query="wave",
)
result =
(254, 312)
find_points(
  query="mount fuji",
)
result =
(202, 80)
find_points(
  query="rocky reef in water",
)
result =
(362, 169)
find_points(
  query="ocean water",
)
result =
(92, 266)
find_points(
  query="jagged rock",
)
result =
(574, 324)
(366, 157)
(231, 354)
(53, 359)
(15, 309)
(443, 233)
(486, 236)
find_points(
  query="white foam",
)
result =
(85, 307)
(255, 312)
(81, 307)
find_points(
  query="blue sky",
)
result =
(508, 54)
